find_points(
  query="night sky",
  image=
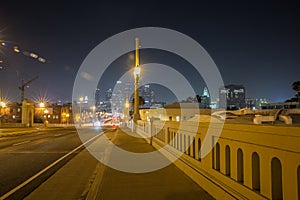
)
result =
(255, 44)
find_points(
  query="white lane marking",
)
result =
(45, 169)
(19, 143)
(57, 135)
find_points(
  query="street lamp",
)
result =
(67, 116)
(42, 105)
(80, 102)
(126, 110)
(42, 111)
(136, 72)
(46, 111)
(3, 105)
(93, 116)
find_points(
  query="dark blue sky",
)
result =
(255, 44)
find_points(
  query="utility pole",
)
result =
(22, 87)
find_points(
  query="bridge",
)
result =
(245, 161)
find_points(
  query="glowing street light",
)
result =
(2, 104)
(16, 49)
(137, 71)
(43, 60)
(33, 55)
(42, 105)
(4, 44)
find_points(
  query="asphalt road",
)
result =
(23, 156)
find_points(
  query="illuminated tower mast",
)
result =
(137, 71)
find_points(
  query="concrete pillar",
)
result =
(27, 113)
(265, 175)
(222, 157)
(233, 162)
(289, 178)
(248, 168)
(167, 135)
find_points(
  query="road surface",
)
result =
(23, 156)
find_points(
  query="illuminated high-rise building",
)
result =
(148, 95)
(108, 94)
(97, 97)
(118, 98)
(232, 97)
(205, 99)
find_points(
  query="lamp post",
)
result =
(80, 102)
(3, 105)
(67, 116)
(126, 109)
(93, 116)
(42, 107)
(46, 112)
(136, 72)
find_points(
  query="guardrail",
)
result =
(247, 162)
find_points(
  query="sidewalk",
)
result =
(81, 179)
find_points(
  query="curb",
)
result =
(95, 182)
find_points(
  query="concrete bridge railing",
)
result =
(247, 162)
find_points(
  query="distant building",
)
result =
(256, 104)
(232, 97)
(108, 94)
(50, 113)
(118, 98)
(148, 94)
(205, 99)
(106, 105)
(97, 97)
(280, 105)
(11, 113)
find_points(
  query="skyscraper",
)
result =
(148, 95)
(232, 97)
(97, 97)
(205, 99)
(118, 98)
(108, 94)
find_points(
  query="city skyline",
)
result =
(255, 45)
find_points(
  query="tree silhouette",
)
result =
(198, 97)
(296, 87)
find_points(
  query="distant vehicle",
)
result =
(97, 123)
(109, 124)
